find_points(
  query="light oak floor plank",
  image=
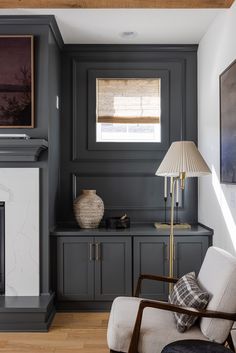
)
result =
(69, 333)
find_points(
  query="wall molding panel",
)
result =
(171, 70)
(124, 174)
(128, 199)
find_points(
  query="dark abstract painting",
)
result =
(228, 125)
(16, 82)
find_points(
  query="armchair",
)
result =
(145, 326)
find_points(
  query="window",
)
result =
(128, 110)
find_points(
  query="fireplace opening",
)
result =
(2, 247)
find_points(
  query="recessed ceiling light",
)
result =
(128, 34)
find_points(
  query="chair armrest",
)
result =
(152, 278)
(133, 348)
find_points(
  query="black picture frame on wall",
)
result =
(227, 82)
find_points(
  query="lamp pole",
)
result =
(171, 239)
(181, 177)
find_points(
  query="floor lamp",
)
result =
(181, 161)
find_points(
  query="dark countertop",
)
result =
(141, 229)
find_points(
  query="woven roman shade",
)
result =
(128, 101)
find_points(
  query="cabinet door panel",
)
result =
(150, 257)
(75, 269)
(189, 254)
(113, 275)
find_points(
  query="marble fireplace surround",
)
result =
(19, 189)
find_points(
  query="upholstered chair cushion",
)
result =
(157, 330)
(186, 292)
(218, 277)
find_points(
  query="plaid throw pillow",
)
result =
(186, 292)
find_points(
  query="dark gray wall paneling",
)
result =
(124, 174)
(129, 184)
(84, 108)
(47, 45)
(54, 70)
(123, 149)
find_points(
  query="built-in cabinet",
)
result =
(189, 253)
(99, 265)
(75, 268)
(150, 256)
(113, 268)
(90, 268)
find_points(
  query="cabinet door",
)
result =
(189, 254)
(150, 257)
(75, 268)
(113, 262)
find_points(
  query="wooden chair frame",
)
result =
(133, 348)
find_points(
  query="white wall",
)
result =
(217, 202)
(19, 188)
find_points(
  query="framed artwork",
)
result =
(16, 81)
(228, 125)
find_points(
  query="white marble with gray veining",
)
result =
(19, 188)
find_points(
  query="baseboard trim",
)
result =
(83, 306)
(26, 314)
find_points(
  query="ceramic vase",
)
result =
(88, 209)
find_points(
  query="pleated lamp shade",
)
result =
(183, 157)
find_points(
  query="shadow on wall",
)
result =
(229, 220)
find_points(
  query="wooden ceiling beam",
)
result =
(113, 4)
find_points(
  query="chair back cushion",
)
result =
(218, 277)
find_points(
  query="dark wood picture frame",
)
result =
(17, 81)
(227, 82)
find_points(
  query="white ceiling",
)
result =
(104, 26)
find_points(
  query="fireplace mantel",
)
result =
(21, 150)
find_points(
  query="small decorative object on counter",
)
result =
(88, 209)
(118, 222)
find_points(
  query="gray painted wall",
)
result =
(123, 174)
(47, 44)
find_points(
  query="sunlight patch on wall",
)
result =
(224, 207)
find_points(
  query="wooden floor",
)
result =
(69, 333)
